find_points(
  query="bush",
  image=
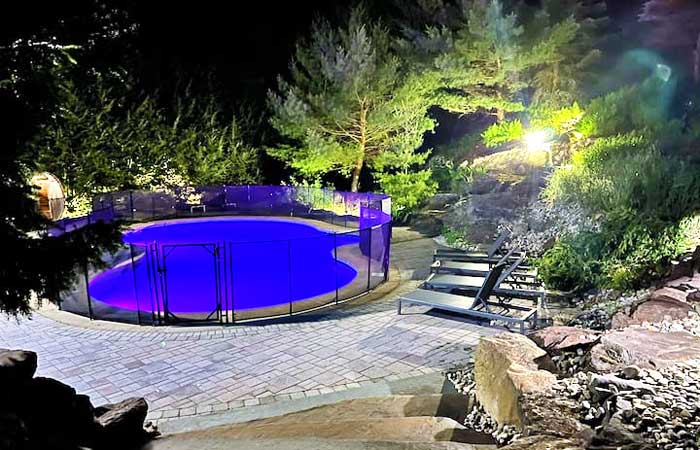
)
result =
(457, 238)
(563, 267)
(637, 107)
(503, 132)
(408, 190)
(451, 177)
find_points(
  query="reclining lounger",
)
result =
(477, 306)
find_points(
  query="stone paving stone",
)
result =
(182, 371)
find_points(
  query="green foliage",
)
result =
(99, 141)
(486, 54)
(564, 268)
(503, 132)
(460, 149)
(350, 103)
(578, 31)
(644, 198)
(457, 238)
(636, 107)
(562, 120)
(451, 177)
(627, 172)
(407, 190)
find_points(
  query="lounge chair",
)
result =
(478, 306)
(471, 285)
(493, 254)
(516, 271)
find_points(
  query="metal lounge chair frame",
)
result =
(451, 302)
(516, 272)
(492, 254)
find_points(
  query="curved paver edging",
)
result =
(169, 414)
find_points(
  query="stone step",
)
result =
(220, 443)
(419, 429)
(453, 406)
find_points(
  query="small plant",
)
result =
(451, 177)
(564, 268)
(408, 190)
(456, 238)
(503, 132)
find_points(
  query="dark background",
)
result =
(240, 46)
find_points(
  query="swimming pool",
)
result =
(231, 253)
(275, 262)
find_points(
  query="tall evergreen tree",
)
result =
(485, 54)
(350, 103)
(561, 80)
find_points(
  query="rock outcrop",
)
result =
(16, 366)
(664, 304)
(644, 348)
(38, 413)
(558, 339)
(507, 366)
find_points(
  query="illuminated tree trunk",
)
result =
(362, 144)
(356, 175)
(500, 114)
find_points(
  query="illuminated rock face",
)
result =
(50, 196)
(506, 366)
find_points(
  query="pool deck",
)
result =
(184, 372)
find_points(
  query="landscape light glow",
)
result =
(537, 141)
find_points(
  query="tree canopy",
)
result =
(350, 103)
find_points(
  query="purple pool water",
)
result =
(268, 262)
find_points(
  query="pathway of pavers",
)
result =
(202, 370)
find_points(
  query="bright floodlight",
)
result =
(536, 140)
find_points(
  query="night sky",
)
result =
(244, 44)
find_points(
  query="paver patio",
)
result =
(186, 371)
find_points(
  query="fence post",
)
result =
(387, 249)
(335, 266)
(136, 288)
(289, 273)
(369, 259)
(131, 203)
(87, 288)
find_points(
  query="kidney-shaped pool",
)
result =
(190, 266)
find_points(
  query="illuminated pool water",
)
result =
(245, 263)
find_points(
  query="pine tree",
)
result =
(350, 104)
(560, 81)
(485, 55)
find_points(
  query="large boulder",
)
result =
(636, 346)
(121, 423)
(54, 414)
(560, 338)
(16, 366)
(548, 412)
(507, 366)
(13, 434)
(654, 310)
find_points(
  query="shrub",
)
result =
(563, 120)
(564, 267)
(457, 238)
(451, 177)
(408, 190)
(502, 132)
